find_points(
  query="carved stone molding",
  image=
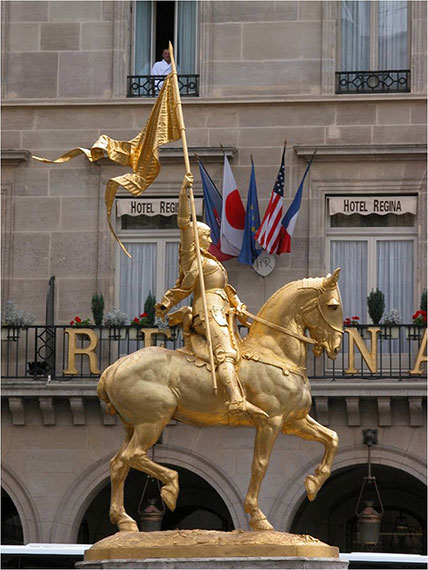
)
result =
(384, 409)
(48, 410)
(108, 420)
(416, 411)
(321, 406)
(77, 406)
(353, 410)
(340, 152)
(16, 406)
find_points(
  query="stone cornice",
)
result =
(175, 154)
(274, 100)
(348, 152)
(12, 157)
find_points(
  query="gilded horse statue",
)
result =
(150, 387)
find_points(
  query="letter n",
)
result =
(370, 358)
(88, 350)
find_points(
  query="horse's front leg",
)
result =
(267, 432)
(308, 428)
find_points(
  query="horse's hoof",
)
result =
(261, 524)
(128, 526)
(169, 497)
(311, 487)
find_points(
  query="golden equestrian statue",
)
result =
(263, 378)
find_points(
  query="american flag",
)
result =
(268, 235)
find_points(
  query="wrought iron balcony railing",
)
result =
(395, 81)
(73, 353)
(150, 85)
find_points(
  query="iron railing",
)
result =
(42, 352)
(149, 85)
(395, 81)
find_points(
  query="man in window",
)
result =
(222, 301)
(162, 68)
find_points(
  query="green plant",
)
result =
(376, 305)
(149, 308)
(78, 322)
(423, 306)
(97, 306)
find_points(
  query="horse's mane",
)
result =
(307, 283)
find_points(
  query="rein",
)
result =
(278, 327)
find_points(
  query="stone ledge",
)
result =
(337, 152)
(251, 100)
(13, 157)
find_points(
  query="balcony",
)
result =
(352, 82)
(149, 85)
(64, 353)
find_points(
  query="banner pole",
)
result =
(194, 220)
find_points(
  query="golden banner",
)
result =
(141, 153)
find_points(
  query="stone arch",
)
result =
(73, 505)
(24, 504)
(292, 494)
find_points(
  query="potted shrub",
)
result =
(97, 306)
(355, 322)
(391, 319)
(13, 320)
(376, 305)
(115, 320)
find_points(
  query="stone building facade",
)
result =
(267, 72)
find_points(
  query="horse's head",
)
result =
(323, 316)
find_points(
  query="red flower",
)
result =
(347, 321)
(355, 318)
(135, 320)
(78, 319)
(415, 316)
(71, 322)
(143, 315)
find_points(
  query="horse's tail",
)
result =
(102, 392)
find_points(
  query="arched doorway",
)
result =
(198, 506)
(11, 526)
(331, 517)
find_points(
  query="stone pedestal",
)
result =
(211, 549)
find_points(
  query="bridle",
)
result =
(309, 307)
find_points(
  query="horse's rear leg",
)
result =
(118, 474)
(144, 436)
(267, 432)
(308, 428)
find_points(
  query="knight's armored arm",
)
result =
(187, 240)
(180, 291)
(237, 304)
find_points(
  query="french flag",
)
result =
(289, 220)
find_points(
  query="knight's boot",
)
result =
(237, 403)
(187, 342)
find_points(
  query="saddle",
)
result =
(195, 345)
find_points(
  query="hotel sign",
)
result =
(152, 206)
(380, 205)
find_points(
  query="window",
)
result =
(373, 42)
(152, 238)
(374, 251)
(157, 23)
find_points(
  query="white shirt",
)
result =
(161, 68)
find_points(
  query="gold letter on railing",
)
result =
(148, 333)
(421, 356)
(370, 358)
(88, 350)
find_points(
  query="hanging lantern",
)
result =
(369, 519)
(151, 507)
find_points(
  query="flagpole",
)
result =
(194, 221)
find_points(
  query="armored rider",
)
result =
(222, 302)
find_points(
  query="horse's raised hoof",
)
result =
(311, 487)
(261, 524)
(169, 495)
